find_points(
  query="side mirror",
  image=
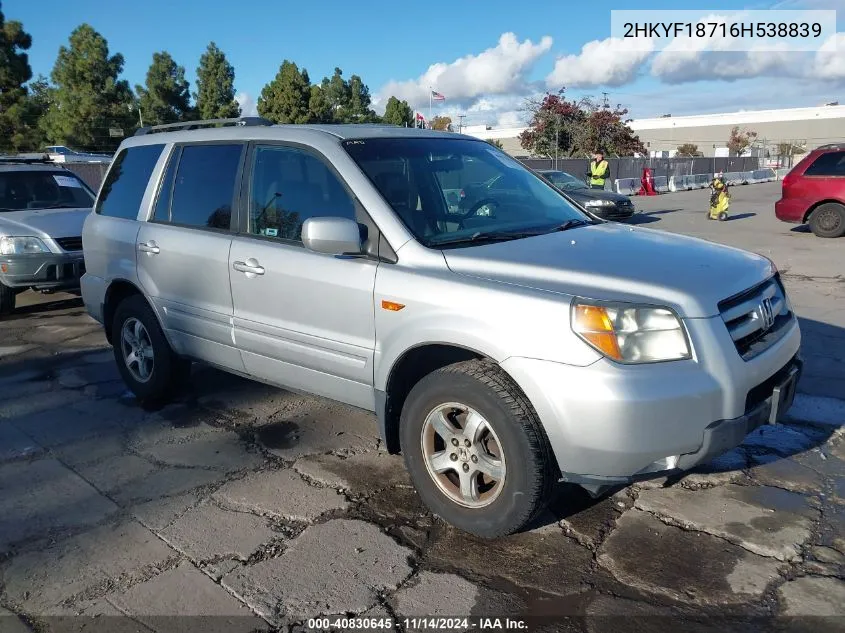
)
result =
(332, 236)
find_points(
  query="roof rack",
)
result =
(193, 125)
(26, 160)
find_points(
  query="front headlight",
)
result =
(599, 203)
(629, 333)
(21, 246)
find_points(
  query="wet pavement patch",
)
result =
(279, 435)
(645, 553)
(764, 520)
(548, 561)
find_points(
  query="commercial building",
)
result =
(802, 127)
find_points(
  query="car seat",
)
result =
(399, 195)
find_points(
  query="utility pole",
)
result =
(605, 103)
(461, 122)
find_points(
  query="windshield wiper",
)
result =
(569, 224)
(502, 236)
(493, 236)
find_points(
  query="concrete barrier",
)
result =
(689, 182)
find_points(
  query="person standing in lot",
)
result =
(599, 171)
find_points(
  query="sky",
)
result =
(485, 56)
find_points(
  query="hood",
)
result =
(619, 262)
(44, 222)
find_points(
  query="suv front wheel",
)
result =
(148, 365)
(475, 449)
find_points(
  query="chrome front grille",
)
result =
(757, 318)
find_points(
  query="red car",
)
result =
(814, 192)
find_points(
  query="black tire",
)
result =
(169, 371)
(723, 216)
(828, 220)
(530, 478)
(7, 300)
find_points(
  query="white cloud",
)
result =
(502, 69)
(610, 62)
(247, 103)
(511, 118)
(830, 58)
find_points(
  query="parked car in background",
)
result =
(64, 154)
(504, 345)
(814, 191)
(42, 211)
(608, 205)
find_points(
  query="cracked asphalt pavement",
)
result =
(258, 508)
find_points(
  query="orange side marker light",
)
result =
(391, 305)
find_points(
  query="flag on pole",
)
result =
(436, 96)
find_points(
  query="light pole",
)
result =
(557, 139)
(132, 107)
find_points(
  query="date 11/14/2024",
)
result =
(434, 624)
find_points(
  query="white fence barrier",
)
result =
(662, 184)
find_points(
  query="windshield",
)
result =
(564, 181)
(457, 190)
(20, 190)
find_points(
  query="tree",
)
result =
(337, 95)
(166, 98)
(16, 125)
(608, 131)
(287, 99)
(687, 150)
(398, 113)
(89, 99)
(740, 140)
(319, 109)
(215, 95)
(556, 126)
(496, 143)
(788, 151)
(569, 128)
(443, 123)
(359, 110)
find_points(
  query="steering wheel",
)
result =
(475, 208)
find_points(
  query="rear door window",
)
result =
(830, 164)
(124, 186)
(204, 186)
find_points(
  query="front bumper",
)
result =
(614, 213)
(42, 271)
(610, 424)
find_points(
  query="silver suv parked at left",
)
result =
(42, 210)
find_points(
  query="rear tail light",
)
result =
(788, 180)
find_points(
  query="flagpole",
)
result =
(429, 105)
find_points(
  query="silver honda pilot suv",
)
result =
(505, 340)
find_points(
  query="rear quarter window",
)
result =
(124, 186)
(830, 164)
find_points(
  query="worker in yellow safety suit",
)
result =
(720, 198)
(599, 171)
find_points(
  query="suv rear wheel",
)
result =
(7, 300)
(828, 220)
(475, 449)
(150, 368)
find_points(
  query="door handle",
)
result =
(250, 266)
(149, 247)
